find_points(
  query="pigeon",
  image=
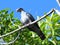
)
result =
(28, 18)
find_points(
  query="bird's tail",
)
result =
(39, 33)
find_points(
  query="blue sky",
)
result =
(35, 7)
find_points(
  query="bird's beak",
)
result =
(17, 10)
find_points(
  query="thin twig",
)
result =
(7, 43)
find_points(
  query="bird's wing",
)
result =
(32, 19)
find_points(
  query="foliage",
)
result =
(49, 25)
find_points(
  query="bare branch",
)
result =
(7, 43)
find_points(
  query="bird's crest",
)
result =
(19, 9)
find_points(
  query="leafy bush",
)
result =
(49, 25)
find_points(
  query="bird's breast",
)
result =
(25, 20)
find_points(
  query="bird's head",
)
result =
(19, 9)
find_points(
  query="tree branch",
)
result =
(52, 10)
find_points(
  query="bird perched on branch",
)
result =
(27, 18)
